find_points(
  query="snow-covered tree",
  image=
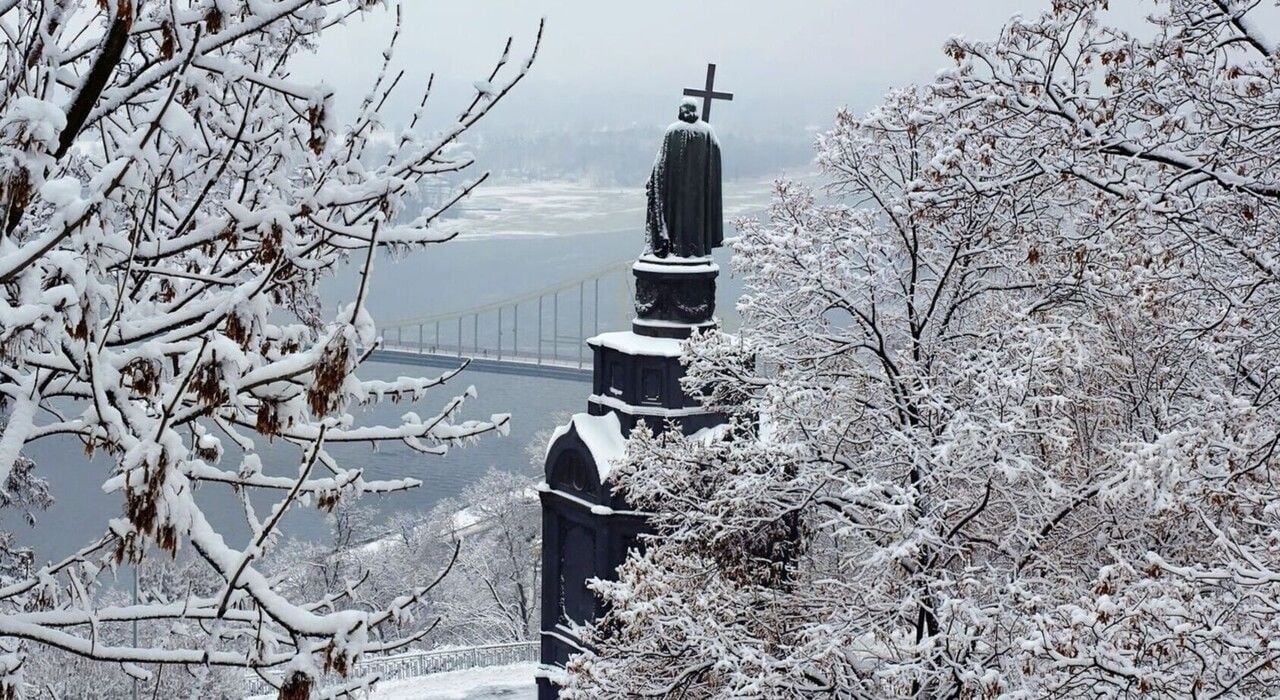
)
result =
(488, 538)
(493, 593)
(169, 197)
(54, 673)
(1006, 399)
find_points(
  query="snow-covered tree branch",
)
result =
(169, 196)
(1005, 396)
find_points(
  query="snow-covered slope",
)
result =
(510, 682)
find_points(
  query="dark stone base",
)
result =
(677, 290)
(579, 543)
(547, 690)
(639, 382)
(636, 377)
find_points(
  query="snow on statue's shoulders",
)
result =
(698, 127)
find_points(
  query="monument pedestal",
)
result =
(587, 529)
(637, 378)
(674, 296)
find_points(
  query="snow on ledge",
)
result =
(632, 344)
(516, 681)
(659, 323)
(644, 265)
(671, 260)
(715, 433)
(656, 411)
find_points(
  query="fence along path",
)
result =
(421, 663)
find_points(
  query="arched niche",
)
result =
(572, 472)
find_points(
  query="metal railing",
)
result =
(421, 663)
(492, 331)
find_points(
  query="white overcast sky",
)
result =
(607, 63)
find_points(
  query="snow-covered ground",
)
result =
(513, 682)
(510, 682)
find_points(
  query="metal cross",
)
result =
(708, 93)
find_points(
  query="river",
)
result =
(517, 239)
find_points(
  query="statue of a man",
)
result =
(684, 216)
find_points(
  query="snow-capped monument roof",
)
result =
(601, 434)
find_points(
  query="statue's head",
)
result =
(689, 110)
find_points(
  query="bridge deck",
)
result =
(521, 365)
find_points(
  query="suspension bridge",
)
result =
(541, 334)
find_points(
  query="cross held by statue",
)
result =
(708, 93)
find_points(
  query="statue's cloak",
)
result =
(684, 192)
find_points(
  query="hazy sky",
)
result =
(789, 62)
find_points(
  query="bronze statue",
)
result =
(685, 216)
